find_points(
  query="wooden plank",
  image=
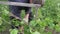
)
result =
(19, 4)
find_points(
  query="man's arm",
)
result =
(27, 15)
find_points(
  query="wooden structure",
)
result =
(36, 6)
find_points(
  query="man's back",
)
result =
(22, 1)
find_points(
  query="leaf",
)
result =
(33, 23)
(0, 21)
(14, 31)
(36, 32)
(57, 28)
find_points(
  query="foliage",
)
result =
(48, 15)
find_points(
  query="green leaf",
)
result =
(0, 21)
(36, 32)
(14, 31)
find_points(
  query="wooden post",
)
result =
(36, 12)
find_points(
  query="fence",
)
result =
(36, 6)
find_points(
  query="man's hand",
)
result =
(26, 18)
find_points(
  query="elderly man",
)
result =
(16, 10)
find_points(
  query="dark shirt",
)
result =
(17, 9)
(22, 1)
